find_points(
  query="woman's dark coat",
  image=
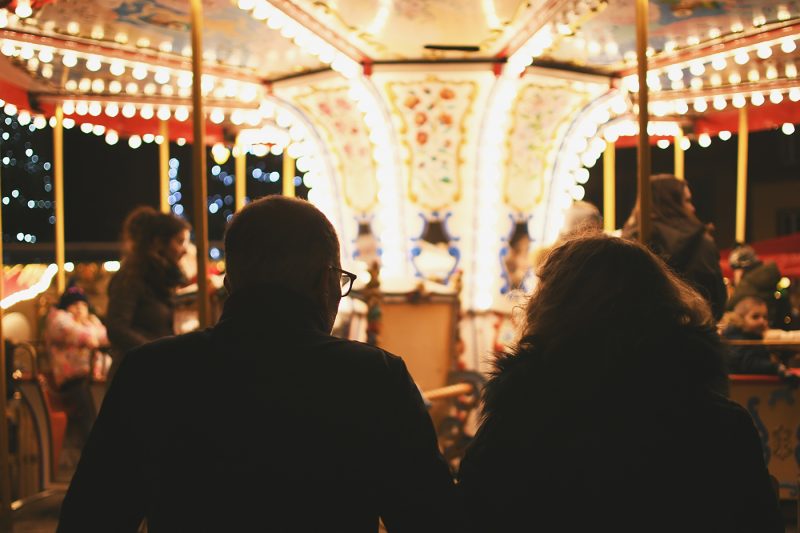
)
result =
(643, 446)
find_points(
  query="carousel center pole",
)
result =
(680, 164)
(58, 196)
(5, 462)
(240, 175)
(741, 177)
(643, 152)
(163, 166)
(199, 166)
(610, 188)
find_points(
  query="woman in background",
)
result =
(606, 416)
(140, 296)
(681, 240)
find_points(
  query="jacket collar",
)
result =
(272, 306)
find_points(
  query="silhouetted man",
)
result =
(265, 422)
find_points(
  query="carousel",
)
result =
(444, 140)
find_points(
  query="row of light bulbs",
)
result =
(305, 39)
(782, 14)
(720, 102)
(719, 62)
(166, 80)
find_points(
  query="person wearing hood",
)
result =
(681, 240)
(754, 278)
(611, 398)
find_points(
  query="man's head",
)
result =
(752, 312)
(288, 242)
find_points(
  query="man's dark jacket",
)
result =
(262, 423)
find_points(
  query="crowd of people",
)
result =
(338, 428)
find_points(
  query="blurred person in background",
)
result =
(140, 295)
(72, 334)
(755, 278)
(681, 239)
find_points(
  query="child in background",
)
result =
(748, 321)
(72, 334)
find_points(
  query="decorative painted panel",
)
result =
(347, 136)
(434, 114)
(538, 118)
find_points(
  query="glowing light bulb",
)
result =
(741, 57)
(134, 141)
(98, 129)
(675, 74)
(47, 71)
(737, 27)
(69, 59)
(68, 107)
(776, 97)
(121, 37)
(185, 80)
(772, 72)
(73, 28)
(131, 88)
(161, 76)
(764, 51)
(167, 90)
(685, 143)
(794, 94)
(147, 112)
(724, 135)
(716, 80)
(734, 78)
(98, 85)
(93, 64)
(720, 103)
(788, 46)
(148, 138)
(753, 75)
(112, 137)
(128, 110)
(696, 83)
(114, 87)
(791, 70)
(163, 112)
(71, 85)
(787, 128)
(23, 9)
(700, 105)
(757, 99)
(95, 109)
(217, 116)
(117, 67)
(112, 109)
(719, 63)
(697, 68)
(139, 71)
(738, 101)
(704, 140)
(46, 55)
(663, 143)
(81, 108)
(150, 89)
(181, 113)
(84, 85)
(681, 107)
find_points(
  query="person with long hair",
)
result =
(681, 239)
(140, 304)
(607, 415)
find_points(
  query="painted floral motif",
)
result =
(433, 113)
(349, 142)
(538, 119)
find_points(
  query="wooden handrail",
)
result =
(450, 391)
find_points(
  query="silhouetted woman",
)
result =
(140, 304)
(681, 240)
(605, 416)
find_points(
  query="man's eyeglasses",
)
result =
(346, 280)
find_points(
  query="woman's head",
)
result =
(671, 201)
(602, 295)
(149, 234)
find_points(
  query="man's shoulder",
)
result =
(362, 353)
(167, 349)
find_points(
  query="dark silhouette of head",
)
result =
(150, 236)
(603, 305)
(286, 241)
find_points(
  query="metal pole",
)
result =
(643, 152)
(240, 176)
(741, 177)
(163, 167)
(199, 185)
(610, 188)
(679, 159)
(5, 463)
(288, 175)
(58, 196)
